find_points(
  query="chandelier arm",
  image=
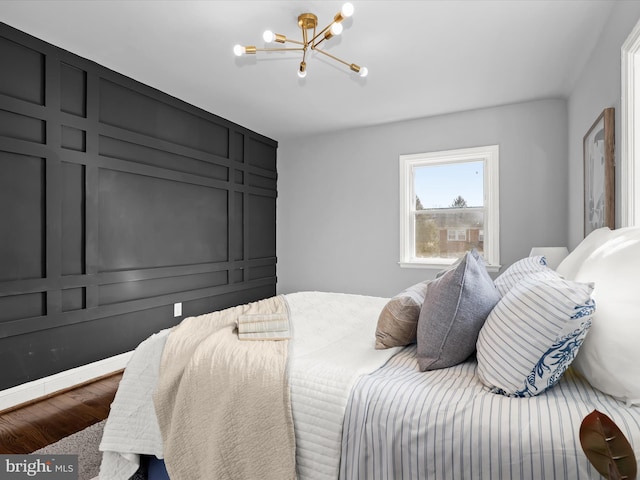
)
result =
(294, 41)
(334, 57)
(283, 49)
(315, 45)
(311, 42)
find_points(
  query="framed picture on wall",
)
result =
(599, 178)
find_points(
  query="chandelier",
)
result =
(308, 23)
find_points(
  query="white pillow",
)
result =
(519, 270)
(571, 263)
(610, 356)
(533, 334)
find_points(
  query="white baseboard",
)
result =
(44, 386)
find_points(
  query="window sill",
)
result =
(441, 266)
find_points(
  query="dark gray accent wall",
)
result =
(116, 201)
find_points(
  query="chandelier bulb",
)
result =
(336, 28)
(347, 10)
(302, 72)
(268, 36)
(362, 71)
(238, 50)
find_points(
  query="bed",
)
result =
(463, 376)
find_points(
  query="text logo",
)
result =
(38, 467)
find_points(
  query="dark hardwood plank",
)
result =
(31, 426)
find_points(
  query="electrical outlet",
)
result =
(177, 309)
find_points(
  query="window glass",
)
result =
(449, 209)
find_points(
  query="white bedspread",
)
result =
(333, 343)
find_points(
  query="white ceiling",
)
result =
(424, 57)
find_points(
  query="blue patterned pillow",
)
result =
(519, 270)
(533, 334)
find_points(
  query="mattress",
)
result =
(403, 423)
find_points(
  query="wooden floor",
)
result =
(37, 424)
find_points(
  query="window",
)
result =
(449, 205)
(456, 235)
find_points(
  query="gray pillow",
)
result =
(455, 264)
(455, 307)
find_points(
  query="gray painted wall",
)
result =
(598, 87)
(337, 213)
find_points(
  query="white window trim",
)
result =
(630, 151)
(490, 156)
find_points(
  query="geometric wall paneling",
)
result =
(264, 271)
(230, 299)
(73, 299)
(27, 79)
(147, 222)
(205, 166)
(73, 219)
(149, 116)
(262, 180)
(73, 90)
(22, 243)
(13, 307)
(134, 290)
(56, 349)
(261, 212)
(21, 127)
(237, 227)
(236, 275)
(73, 139)
(237, 147)
(118, 201)
(260, 154)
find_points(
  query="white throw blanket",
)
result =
(132, 428)
(223, 405)
(333, 339)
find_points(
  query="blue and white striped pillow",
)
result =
(533, 334)
(519, 270)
